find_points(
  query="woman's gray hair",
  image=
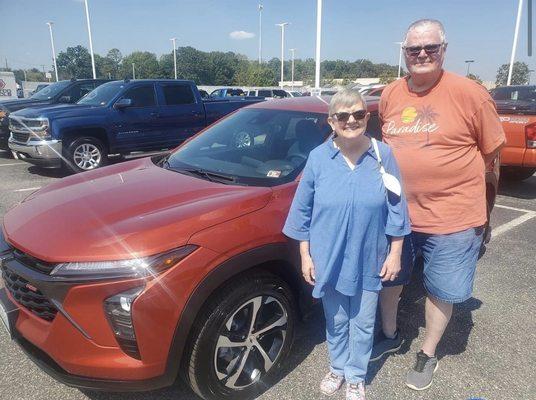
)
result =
(345, 98)
(427, 22)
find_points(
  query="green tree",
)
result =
(386, 78)
(145, 65)
(520, 74)
(475, 78)
(74, 62)
(253, 74)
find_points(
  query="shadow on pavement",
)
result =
(519, 189)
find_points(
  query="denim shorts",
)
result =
(449, 262)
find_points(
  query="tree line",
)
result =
(229, 68)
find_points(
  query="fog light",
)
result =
(118, 309)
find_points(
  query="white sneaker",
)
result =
(355, 392)
(331, 383)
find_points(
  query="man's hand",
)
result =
(308, 270)
(391, 267)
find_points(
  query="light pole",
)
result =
(530, 72)
(318, 36)
(282, 25)
(260, 32)
(174, 55)
(399, 58)
(292, 51)
(133, 72)
(516, 32)
(468, 62)
(53, 49)
(90, 42)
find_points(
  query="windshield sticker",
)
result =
(273, 174)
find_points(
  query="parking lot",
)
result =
(489, 350)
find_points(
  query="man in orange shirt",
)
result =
(443, 130)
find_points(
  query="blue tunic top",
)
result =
(347, 216)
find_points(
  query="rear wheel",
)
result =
(241, 338)
(85, 154)
(516, 173)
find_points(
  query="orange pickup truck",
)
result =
(516, 106)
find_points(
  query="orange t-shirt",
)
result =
(438, 138)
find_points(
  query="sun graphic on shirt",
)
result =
(408, 115)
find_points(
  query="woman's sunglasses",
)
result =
(414, 51)
(345, 116)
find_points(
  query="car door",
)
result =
(181, 114)
(136, 127)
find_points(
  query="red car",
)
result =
(124, 277)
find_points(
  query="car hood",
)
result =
(133, 209)
(57, 111)
(14, 105)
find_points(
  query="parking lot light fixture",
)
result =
(133, 71)
(260, 32)
(282, 26)
(173, 40)
(318, 36)
(514, 45)
(53, 49)
(90, 41)
(292, 52)
(399, 58)
(468, 62)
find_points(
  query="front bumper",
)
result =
(44, 153)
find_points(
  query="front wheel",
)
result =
(241, 338)
(85, 154)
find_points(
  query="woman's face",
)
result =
(349, 122)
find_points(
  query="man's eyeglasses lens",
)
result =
(414, 51)
(345, 116)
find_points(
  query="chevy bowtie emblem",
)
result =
(31, 287)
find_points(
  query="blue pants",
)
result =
(350, 332)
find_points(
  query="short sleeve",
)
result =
(298, 220)
(488, 130)
(398, 222)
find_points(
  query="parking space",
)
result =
(488, 351)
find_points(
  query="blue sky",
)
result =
(481, 30)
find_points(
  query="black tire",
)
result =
(85, 154)
(211, 368)
(516, 173)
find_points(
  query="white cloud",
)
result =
(241, 35)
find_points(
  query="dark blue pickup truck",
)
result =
(119, 117)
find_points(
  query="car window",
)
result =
(216, 93)
(280, 93)
(141, 96)
(51, 90)
(178, 94)
(265, 93)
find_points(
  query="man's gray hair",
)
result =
(427, 22)
(345, 98)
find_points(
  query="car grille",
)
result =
(20, 136)
(32, 262)
(32, 300)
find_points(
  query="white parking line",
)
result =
(529, 214)
(513, 208)
(27, 189)
(7, 165)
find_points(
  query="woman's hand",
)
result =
(308, 270)
(391, 267)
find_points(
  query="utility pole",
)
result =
(318, 36)
(260, 32)
(282, 26)
(292, 51)
(174, 55)
(516, 32)
(399, 58)
(90, 42)
(133, 72)
(53, 49)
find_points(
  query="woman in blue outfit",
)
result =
(351, 229)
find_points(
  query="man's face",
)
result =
(423, 62)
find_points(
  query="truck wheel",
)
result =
(85, 154)
(516, 173)
(241, 338)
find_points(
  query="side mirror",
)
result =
(122, 103)
(64, 99)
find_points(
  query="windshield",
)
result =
(103, 94)
(256, 147)
(50, 91)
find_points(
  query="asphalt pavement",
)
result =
(488, 351)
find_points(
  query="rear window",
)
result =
(178, 94)
(265, 93)
(510, 93)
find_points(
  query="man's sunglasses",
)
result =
(345, 116)
(430, 49)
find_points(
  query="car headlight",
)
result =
(132, 268)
